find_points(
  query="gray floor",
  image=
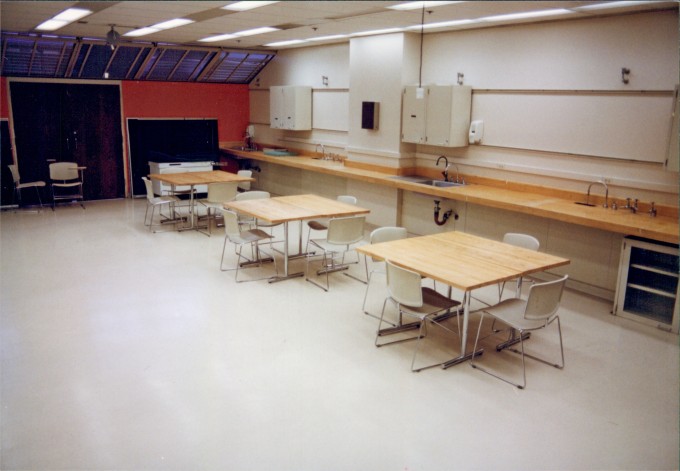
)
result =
(123, 349)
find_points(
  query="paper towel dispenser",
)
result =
(369, 114)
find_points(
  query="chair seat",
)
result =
(317, 226)
(511, 312)
(252, 235)
(30, 185)
(163, 200)
(67, 185)
(432, 302)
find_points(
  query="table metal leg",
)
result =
(286, 275)
(464, 356)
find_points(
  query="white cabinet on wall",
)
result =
(441, 117)
(291, 107)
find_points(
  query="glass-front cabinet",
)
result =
(647, 290)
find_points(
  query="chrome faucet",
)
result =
(446, 170)
(323, 151)
(606, 193)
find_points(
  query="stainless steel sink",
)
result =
(427, 181)
(442, 183)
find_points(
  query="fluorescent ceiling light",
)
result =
(418, 5)
(327, 38)
(603, 6)
(219, 37)
(378, 31)
(248, 5)
(526, 14)
(62, 19)
(174, 23)
(443, 24)
(285, 43)
(141, 31)
(251, 32)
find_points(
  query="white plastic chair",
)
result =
(536, 312)
(218, 194)
(342, 233)
(154, 201)
(518, 240)
(67, 182)
(381, 234)
(241, 238)
(18, 186)
(405, 290)
(315, 225)
(244, 186)
(248, 220)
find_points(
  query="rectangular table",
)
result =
(465, 262)
(191, 179)
(284, 209)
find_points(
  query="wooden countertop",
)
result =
(537, 201)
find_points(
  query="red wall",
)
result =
(4, 106)
(229, 104)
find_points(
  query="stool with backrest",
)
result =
(153, 202)
(381, 234)
(218, 194)
(241, 238)
(18, 186)
(315, 225)
(342, 234)
(538, 311)
(66, 182)
(405, 290)
(244, 186)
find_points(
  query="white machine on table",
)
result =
(160, 188)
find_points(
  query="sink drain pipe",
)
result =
(445, 216)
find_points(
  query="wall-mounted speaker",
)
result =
(369, 114)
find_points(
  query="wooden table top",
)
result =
(294, 208)
(199, 178)
(462, 260)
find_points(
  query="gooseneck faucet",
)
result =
(606, 193)
(323, 151)
(446, 170)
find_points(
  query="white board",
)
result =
(330, 110)
(621, 126)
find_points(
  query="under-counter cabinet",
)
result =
(290, 107)
(438, 116)
(647, 289)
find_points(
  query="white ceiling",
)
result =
(297, 19)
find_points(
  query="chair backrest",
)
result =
(345, 231)
(544, 299)
(149, 189)
(231, 227)
(347, 199)
(404, 286)
(522, 240)
(14, 169)
(64, 171)
(222, 192)
(386, 234)
(252, 195)
(244, 173)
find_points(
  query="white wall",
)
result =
(576, 55)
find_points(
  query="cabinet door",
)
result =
(297, 105)
(276, 107)
(413, 112)
(438, 115)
